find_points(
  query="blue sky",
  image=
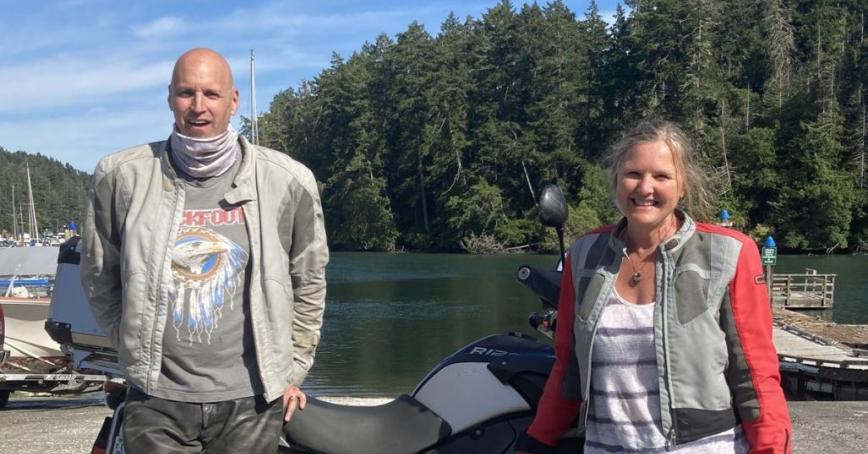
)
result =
(83, 78)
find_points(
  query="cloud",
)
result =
(86, 136)
(164, 26)
(62, 81)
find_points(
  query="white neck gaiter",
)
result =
(205, 158)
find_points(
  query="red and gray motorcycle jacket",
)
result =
(717, 364)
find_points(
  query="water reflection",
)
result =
(391, 318)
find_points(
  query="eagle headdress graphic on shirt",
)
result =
(207, 269)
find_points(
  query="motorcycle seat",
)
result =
(402, 426)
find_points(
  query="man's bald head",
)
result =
(203, 55)
(202, 95)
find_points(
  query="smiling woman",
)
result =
(670, 345)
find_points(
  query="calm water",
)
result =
(391, 318)
(851, 285)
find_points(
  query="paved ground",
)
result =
(40, 425)
(830, 427)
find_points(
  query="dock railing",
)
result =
(808, 290)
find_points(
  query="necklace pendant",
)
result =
(636, 277)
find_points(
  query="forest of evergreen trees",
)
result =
(427, 141)
(59, 191)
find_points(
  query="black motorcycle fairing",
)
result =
(398, 427)
(528, 376)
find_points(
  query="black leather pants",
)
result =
(247, 425)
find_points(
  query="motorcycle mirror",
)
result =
(552, 207)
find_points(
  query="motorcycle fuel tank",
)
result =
(464, 390)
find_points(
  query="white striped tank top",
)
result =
(624, 413)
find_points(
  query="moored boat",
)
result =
(26, 284)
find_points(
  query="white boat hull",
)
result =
(26, 338)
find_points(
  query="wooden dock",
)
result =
(808, 290)
(813, 367)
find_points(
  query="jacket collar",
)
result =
(673, 243)
(166, 161)
(243, 187)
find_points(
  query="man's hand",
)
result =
(293, 399)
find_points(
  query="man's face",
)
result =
(202, 95)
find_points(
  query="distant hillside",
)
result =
(59, 190)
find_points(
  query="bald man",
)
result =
(204, 263)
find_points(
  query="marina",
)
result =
(421, 134)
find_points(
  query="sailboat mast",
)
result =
(21, 221)
(254, 121)
(34, 227)
(14, 217)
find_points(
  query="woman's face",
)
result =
(648, 188)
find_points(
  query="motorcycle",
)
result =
(479, 399)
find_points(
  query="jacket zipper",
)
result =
(670, 438)
(672, 434)
(587, 389)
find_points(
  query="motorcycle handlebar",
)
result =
(545, 284)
